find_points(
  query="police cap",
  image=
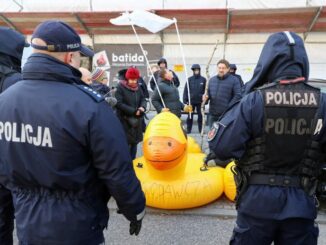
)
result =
(59, 37)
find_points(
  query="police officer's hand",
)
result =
(188, 108)
(135, 227)
(209, 159)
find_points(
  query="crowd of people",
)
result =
(130, 97)
(66, 135)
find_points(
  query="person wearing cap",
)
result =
(100, 84)
(100, 81)
(277, 136)
(163, 64)
(57, 152)
(12, 44)
(197, 84)
(131, 105)
(233, 70)
(170, 95)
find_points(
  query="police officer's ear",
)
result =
(73, 59)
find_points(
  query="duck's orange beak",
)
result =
(163, 152)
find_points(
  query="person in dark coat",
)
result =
(163, 64)
(131, 106)
(233, 70)
(100, 84)
(12, 45)
(170, 95)
(100, 81)
(142, 85)
(197, 85)
(66, 153)
(223, 91)
(277, 136)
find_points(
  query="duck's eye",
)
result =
(169, 144)
(150, 143)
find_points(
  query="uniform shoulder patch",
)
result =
(90, 92)
(212, 132)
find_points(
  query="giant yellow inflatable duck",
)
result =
(170, 172)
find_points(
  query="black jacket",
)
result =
(222, 93)
(9, 75)
(170, 96)
(197, 85)
(9, 71)
(141, 82)
(143, 87)
(68, 157)
(128, 101)
(239, 78)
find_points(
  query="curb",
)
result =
(219, 213)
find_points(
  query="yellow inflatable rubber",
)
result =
(229, 184)
(170, 175)
(193, 147)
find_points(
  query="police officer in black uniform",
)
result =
(277, 136)
(63, 150)
(12, 45)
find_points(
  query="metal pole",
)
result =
(147, 62)
(206, 91)
(184, 61)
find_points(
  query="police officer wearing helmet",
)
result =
(197, 85)
(277, 136)
(62, 160)
(12, 45)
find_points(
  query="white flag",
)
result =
(144, 19)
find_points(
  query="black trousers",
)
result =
(252, 231)
(196, 108)
(6, 217)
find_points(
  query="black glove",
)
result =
(135, 227)
(210, 156)
(211, 160)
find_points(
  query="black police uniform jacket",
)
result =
(63, 154)
(128, 101)
(9, 75)
(285, 121)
